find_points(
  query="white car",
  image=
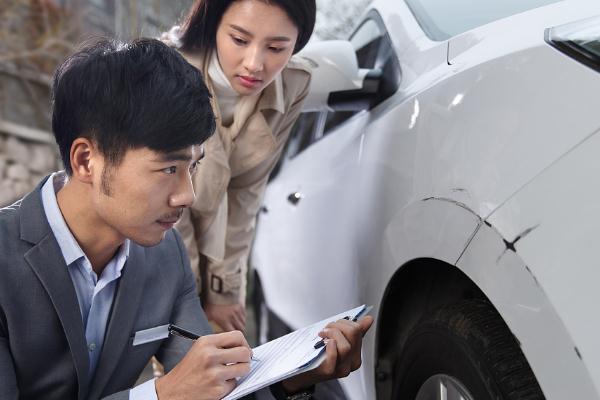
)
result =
(456, 188)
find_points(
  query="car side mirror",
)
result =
(337, 83)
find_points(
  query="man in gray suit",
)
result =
(89, 258)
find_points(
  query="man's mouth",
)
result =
(168, 221)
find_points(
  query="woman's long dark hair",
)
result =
(199, 30)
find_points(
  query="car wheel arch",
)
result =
(414, 289)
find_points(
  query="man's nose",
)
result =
(184, 196)
(254, 60)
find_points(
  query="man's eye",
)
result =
(170, 170)
(276, 49)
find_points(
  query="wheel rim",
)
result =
(443, 387)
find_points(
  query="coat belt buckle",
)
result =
(216, 283)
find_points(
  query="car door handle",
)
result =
(294, 198)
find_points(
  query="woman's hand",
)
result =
(230, 317)
(343, 342)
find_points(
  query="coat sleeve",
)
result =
(8, 389)
(244, 196)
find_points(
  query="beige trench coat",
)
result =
(231, 179)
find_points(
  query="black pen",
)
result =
(362, 312)
(179, 331)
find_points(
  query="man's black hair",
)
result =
(128, 96)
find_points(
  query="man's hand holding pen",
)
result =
(343, 345)
(209, 369)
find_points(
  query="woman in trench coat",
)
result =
(244, 49)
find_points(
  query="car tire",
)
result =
(463, 351)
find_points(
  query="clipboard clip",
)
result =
(361, 313)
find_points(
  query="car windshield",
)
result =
(442, 19)
(580, 40)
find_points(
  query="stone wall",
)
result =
(23, 164)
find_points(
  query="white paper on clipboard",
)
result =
(287, 356)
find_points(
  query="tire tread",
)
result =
(477, 322)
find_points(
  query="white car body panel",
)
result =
(343, 154)
(464, 141)
(416, 52)
(521, 300)
(561, 251)
(412, 233)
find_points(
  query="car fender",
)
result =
(433, 228)
(447, 231)
(554, 226)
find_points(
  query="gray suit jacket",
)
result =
(43, 353)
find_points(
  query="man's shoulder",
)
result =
(9, 218)
(10, 211)
(12, 247)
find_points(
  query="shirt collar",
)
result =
(69, 247)
(115, 266)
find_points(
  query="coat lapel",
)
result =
(252, 145)
(47, 262)
(122, 319)
(212, 177)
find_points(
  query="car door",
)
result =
(304, 220)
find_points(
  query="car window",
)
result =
(336, 118)
(442, 19)
(301, 136)
(366, 42)
(373, 49)
(302, 133)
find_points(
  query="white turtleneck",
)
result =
(227, 97)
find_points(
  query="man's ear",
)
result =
(85, 158)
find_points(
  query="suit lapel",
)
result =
(47, 262)
(123, 315)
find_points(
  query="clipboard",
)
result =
(288, 355)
